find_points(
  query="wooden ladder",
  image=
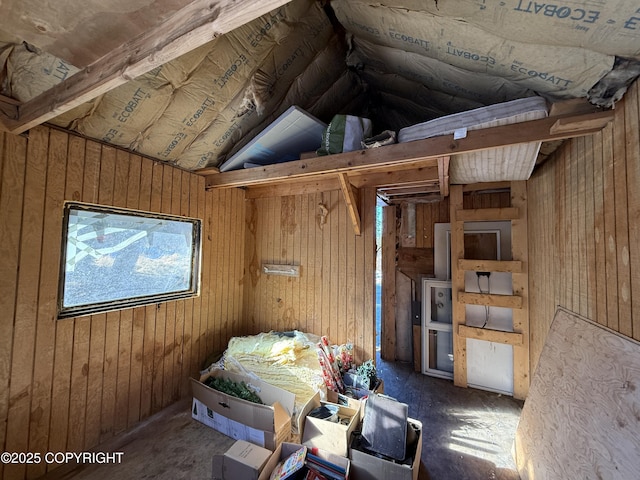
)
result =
(518, 301)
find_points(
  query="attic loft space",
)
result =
(193, 87)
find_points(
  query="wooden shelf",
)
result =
(489, 335)
(490, 300)
(510, 266)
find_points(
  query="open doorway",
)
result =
(378, 277)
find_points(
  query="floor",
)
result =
(467, 434)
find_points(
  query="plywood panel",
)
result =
(580, 419)
(583, 225)
(67, 385)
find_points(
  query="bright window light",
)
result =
(115, 258)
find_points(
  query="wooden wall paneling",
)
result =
(358, 295)
(25, 324)
(574, 230)
(187, 329)
(236, 254)
(157, 192)
(169, 308)
(306, 273)
(388, 340)
(123, 360)
(340, 280)
(76, 168)
(318, 226)
(66, 158)
(610, 228)
(191, 367)
(598, 229)
(176, 347)
(352, 296)
(251, 268)
(583, 294)
(202, 303)
(111, 192)
(632, 135)
(625, 325)
(588, 201)
(82, 179)
(559, 224)
(325, 316)
(148, 342)
(224, 274)
(13, 159)
(206, 347)
(132, 408)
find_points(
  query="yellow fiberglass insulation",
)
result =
(288, 361)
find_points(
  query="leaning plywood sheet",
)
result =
(582, 416)
(514, 162)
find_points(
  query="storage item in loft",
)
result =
(344, 133)
(508, 163)
(292, 133)
(384, 427)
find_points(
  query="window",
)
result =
(116, 258)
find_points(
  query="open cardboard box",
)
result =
(330, 436)
(369, 467)
(286, 449)
(227, 414)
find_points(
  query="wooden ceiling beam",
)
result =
(427, 151)
(190, 27)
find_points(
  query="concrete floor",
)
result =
(467, 434)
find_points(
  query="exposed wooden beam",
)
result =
(443, 175)
(350, 194)
(489, 335)
(427, 151)
(189, 28)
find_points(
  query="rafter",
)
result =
(190, 27)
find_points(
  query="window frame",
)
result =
(142, 300)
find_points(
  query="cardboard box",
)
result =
(286, 449)
(340, 399)
(370, 467)
(237, 430)
(265, 425)
(243, 460)
(329, 436)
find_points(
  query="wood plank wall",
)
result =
(67, 385)
(334, 295)
(584, 229)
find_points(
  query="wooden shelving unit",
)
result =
(518, 301)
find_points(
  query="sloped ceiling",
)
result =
(397, 63)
